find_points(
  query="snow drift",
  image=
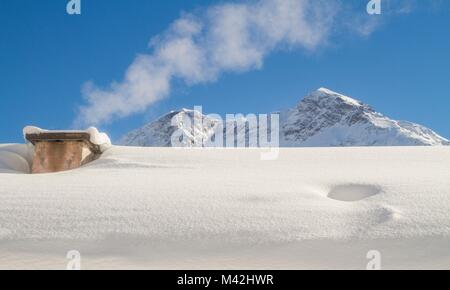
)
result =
(15, 158)
(168, 208)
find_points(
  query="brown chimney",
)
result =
(60, 151)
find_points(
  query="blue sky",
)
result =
(401, 68)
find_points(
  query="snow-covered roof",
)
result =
(92, 135)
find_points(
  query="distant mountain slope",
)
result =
(159, 133)
(323, 118)
(326, 118)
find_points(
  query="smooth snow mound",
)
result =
(14, 158)
(168, 208)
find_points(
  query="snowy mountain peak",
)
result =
(327, 118)
(194, 125)
(184, 110)
(326, 95)
(323, 118)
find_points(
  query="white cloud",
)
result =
(198, 48)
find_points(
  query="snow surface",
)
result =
(167, 208)
(15, 158)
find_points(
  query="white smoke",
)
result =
(197, 48)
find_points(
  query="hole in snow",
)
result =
(353, 192)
